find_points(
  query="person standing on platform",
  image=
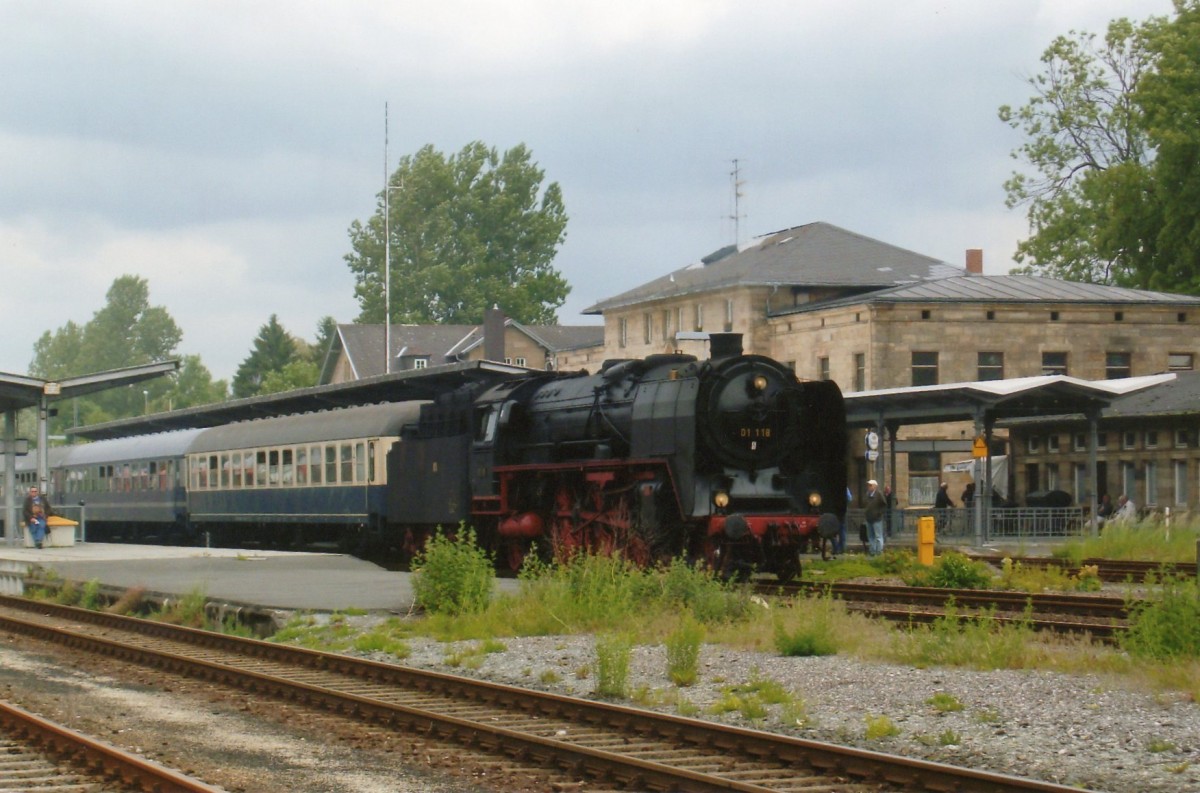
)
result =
(875, 508)
(36, 509)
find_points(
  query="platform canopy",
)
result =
(989, 400)
(410, 384)
(22, 391)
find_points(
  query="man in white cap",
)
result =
(876, 507)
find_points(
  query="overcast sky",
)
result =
(221, 150)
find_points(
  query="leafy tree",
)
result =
(1089, 154)
(126, 331)
(273, 349)
(326, 331)
(299, 373)
(1170, 96)
(1113, 141)
(193, 386)
(467, 231)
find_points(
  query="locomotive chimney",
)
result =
(724, 345)
(493, 334)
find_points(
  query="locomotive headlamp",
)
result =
(759, 383)
(721, 499)
(814, 499)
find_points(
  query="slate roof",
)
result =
(442, 343)
(813, 255)
(1176, 396)
(1006, 288)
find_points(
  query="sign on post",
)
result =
(979, 448)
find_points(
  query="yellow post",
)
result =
(926, 535)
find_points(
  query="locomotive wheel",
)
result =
(789, 567)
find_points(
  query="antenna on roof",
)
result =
(387, 252)
(736, 183)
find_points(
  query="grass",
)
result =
(1149, 540)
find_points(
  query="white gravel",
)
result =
(1076, 730)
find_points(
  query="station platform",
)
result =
(258, 580)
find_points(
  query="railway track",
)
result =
(41, 755)
(1102, 617)
(1110, 570)
(587, 745)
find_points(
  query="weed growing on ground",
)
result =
(880, 727)
(943, 702)
(808, 628)
(683, 651)
(951, 571)
(1148, 540)
(612, 665)
(453, 575)
(978, 642)
(1166, 624)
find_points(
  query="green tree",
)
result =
(1089, 155)
(326, 331)
(1113, 143)
(192, 386)
(126, 331)
(274, 349)
(468, 231)
(1170, 97)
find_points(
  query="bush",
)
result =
(453, 575)
(1166, 626)
(811, 631)
(952, 571)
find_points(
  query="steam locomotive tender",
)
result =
(731, 460)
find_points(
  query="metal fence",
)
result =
(958, 524)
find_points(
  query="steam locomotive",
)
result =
(730, 460)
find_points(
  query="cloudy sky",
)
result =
(221, 150)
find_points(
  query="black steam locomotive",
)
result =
(731, 460)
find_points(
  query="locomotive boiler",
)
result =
(730, 459)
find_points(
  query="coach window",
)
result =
(331, 464)
(237, 470)
(248, 469)
(288, 477)
(273, 467)
(314, 456)
(360, 462)
(260, 468)
(226, 468)
(302, 466)
(347, 472)
(372, 463)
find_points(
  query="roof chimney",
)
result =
(493, 334)
(975, 261)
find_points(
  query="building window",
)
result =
(823, 364)
(926, 313)
(924, 475)
(1080, 483)
(728, 315)
(1101, 441)
(1181, 481)
(1052, 443)
(1117, 365)
(699, 317)
(1033, 444)
(647, 327)
(1054, 363)
(924, 368)
(1181, 317)
(991, 315)
(1180, 362)
(1054, 316)
(1080, 442)
(1151, 483)
(520, 361)
(666, 322)
(622, 332)
(1118, 316)
(1181, 439)
(860, 371)
(1128, 479)
(1151, 439)
(991, 366)
(420, 363)
(679, 317)
(1129, 439)
(1052, 477)
(1033, 480)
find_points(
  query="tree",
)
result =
(273, 349)
(467, 232)
(126, 331)
(193, 385)
(1090, 158)
(1170, 97)
(1113, 139)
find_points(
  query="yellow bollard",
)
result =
(926, 535)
